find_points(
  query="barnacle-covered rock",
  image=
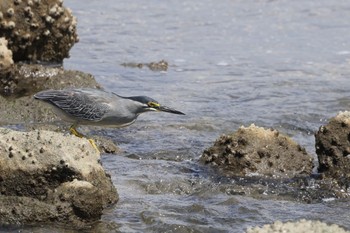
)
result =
(37, 30)
(49, 177)
(255, 150)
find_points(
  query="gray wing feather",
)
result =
(84, 105)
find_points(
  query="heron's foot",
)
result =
(92, 142)
(74, 131)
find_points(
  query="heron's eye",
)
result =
(153, 105)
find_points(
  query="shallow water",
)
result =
(280, 64)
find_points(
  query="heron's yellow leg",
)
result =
(92, 142)
(74, 131)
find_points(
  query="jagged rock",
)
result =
(255, 150)
(51, 177)
(333, 148)
(37, 30)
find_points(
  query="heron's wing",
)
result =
(82, 104)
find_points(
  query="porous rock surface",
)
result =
(301, 226)
(6, 62)
(37, 30)
(255, 150)
(333, 147)
(51, 177)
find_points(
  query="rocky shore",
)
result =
(48, 176)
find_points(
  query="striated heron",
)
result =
(87, 106)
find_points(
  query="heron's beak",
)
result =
(170, 110)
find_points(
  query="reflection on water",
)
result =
(280, 64)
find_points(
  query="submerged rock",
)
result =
(37, 30)
(106, 145)
(162, 65)
(51, 177)
(301, 226)
(255, 150)
(333, 148)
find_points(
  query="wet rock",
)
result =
(162, 65)
(37, 30)
(301, 226)
(158, 66)
(51, 177)
(255, 150)
(106, 145)
(333, 148)
(6, 62)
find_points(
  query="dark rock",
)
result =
(162, 65)
(255, 150)
(106, 145)
(333, 148)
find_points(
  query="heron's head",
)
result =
(149, 104)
